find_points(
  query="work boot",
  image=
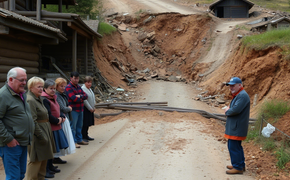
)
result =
(83, 143)
(48, 175)
(58, 161)
(231, 167)
(234, 171)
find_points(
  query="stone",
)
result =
(142, 36)
(122, 27)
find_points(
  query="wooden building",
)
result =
(20, 40)
(231, 8)
(70, 49)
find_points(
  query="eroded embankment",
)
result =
(264, 73)
(168, 45)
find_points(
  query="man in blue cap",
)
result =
(237, 125)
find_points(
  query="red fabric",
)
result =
(76, 103)
(234, 95)
(54, 109)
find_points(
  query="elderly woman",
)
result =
(56, 118)
(89, 108)
(66, 110)
(42, 146)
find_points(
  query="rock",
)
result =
(220, 101)
(112, 14)
(150, 35)
(156, 49)
(134, 25)
(133, 68)
(147, 70)
(154, 75)
(122, 27)
(142, 36)
(147, 20)
(128, 19)
(172, 78)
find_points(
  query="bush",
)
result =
(105, 28)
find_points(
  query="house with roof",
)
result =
(44, 42)
(231, 8)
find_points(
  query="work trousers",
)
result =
(14, 161)
(36, 170)
(237, 154)
(76, 126)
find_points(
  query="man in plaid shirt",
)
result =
(76, 97)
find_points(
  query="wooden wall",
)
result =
(18, 53)
(63, 55)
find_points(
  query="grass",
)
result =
(105, 28)
(273, 109)
(275, 38)
(282, 156)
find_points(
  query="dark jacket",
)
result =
(63, 104)
(15, 118)
(238, 115)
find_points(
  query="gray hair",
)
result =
(13, 72)
(48, 82)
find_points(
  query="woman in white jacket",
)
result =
(89, 108)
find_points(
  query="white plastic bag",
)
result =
(268, 130)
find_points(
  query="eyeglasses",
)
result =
(22, 80)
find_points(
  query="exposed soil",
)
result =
(183, 53)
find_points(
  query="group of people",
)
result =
(48, 121)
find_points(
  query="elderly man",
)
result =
(16, 124)
(76, 97)
(237, 125)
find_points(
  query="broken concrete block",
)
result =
(150, 35)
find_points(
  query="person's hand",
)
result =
(70, 108)
(13, 143)
(60, 120)
(226, 109)
(78, 96)
(63, 119)
(92, 110)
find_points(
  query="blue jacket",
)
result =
(238, 115)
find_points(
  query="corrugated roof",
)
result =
(212, 5)
(9, 14)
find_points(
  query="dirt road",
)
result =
(152, 145)
(154, 6)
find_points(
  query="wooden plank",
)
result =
(79, 30)
(16, 54)
(13, 44)
(3, 76)
(18, 62)
(30, 70)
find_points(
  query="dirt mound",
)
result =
(155, 45)
(263, 72)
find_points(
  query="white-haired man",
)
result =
(16, 124)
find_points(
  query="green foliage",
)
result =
(282, 156)
(93, 8)
(269, 145)
(105, 28)
(273, 109)
(272, 38)
(252, 134)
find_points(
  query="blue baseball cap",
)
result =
(234, 80)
